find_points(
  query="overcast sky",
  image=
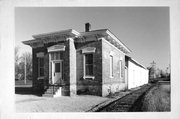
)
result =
(145, 30)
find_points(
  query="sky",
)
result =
(144, 30)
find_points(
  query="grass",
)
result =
(157, 99)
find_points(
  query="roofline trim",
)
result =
(106, 32)
(114, 37)
(136, 62)
(74, 32)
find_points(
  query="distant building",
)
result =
(152, 72)
(91, 62)
(137, 74)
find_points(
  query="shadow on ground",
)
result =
(23, 88)
(27, 91)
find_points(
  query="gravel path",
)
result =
(125, 103)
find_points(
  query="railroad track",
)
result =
(126, 103)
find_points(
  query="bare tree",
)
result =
(23, 62)
(152, 70)
(17, 61)
(163, 74)
(16, 54)
(26, 65)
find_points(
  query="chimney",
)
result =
(87, 27)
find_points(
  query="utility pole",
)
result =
(25, 71)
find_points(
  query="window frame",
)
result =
(111, 67)
(120, 68)
(84, 66)
(40, 67)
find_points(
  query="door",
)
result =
(56, 72)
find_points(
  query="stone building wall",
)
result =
(115, 83)
(38, 84)
(69, 68)
(89, 86)
(73, 81)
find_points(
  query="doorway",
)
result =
(56, 72)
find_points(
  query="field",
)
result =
(157, 99)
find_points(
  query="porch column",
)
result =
(50, 69)
(72, 67)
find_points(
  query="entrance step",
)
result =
(52, 91)
(47, 95)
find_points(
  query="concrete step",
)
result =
(47, 95)
(52, 90)
(49, 91)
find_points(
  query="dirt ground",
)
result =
(32, 103)
(28, 102)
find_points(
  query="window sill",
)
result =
(42, 77)
(87, 77)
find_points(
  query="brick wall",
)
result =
(66, 82)
(89, 86)
(38, 85)
(74, 82)
(115, 83)
(41, 84)
(69, 68)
